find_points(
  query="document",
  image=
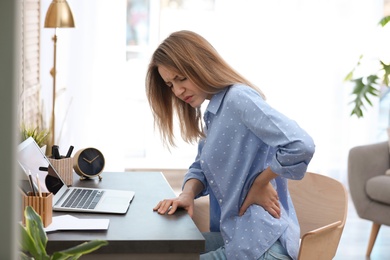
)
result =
(68, 222)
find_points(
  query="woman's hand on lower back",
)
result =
(262, 193)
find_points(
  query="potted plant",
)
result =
(371, 85)
(33, 241)
(40, 135)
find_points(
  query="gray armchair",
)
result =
(370, 186)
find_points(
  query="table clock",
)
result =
(88, 163)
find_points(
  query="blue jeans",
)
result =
(215, 249)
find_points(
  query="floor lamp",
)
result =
(58, 15)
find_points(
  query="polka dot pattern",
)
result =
(244, 136)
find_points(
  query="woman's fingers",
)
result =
(244, 206)
(164, 206)
(266, 197)
(157, 206)
(170, 206)
(172, 209)
(274, 209)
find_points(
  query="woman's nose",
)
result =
(177, 89)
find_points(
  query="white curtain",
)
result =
(297, 51)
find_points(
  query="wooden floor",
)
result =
(353, 243)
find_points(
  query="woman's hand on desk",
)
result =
(185, 201)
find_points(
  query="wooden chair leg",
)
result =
(374, 233)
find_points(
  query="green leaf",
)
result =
(40, 136)
(384, 20)
(34, 240)
(367, 87)
(27, 244)
(33, 235)
(363, 89)
(23, 256)
(350, 74)
(34, 226)
(357, 111)
(82, 249)
(386, 77)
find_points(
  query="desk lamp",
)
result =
(58, 15)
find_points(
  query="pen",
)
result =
(31, 183)
(39, 187)
(69, 151)
(55, 152)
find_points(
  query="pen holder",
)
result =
(64, 168)
(42, 205)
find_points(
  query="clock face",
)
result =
(90, 162)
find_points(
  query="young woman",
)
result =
(246, 150)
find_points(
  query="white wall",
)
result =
(90, 65)
(297, 51)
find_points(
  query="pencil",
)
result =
(31, 183)
(39, 187)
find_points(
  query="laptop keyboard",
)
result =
(83, 199)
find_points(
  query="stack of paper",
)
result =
(68, 222)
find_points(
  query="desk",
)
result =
(141, 233)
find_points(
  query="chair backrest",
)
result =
(321, 204)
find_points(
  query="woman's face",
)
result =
(182, 87)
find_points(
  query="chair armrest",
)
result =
(365, 162)
(321, 243)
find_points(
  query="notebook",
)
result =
(77, 199)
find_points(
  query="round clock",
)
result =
(88, 163)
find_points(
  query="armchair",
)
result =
(370, 186)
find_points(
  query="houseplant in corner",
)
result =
(371, 85)
(33, 241)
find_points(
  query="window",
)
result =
(137, 27)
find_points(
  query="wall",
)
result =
(290, 48)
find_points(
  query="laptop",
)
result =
(33, 161)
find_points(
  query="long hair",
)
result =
(192, 56)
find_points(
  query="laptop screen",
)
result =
(33, 160)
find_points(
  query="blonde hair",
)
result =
(193, 57)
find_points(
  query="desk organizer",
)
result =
(64, 167)
(42, 205)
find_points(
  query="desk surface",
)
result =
(140, 230)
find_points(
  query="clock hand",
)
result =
(94, 158)
(87, 160)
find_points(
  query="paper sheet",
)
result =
(68, 222)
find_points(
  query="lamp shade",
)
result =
(59, 15)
